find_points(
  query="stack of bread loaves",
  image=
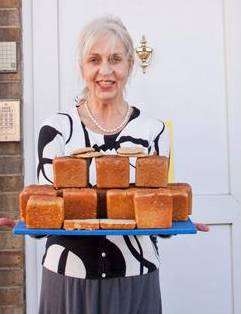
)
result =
(113, 203)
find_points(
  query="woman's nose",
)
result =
(105, 68)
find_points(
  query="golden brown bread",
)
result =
(82, 150)
(153, 210)
(180, 204)
(112, 172)
(70, 172)
(89, 155)
(80, 203)
(120, 204)
(130, 150)
(45, 212)
(152, 171)
(186, 187)
(125, 202)
(30, 190)
(117, 224)
(80, 224)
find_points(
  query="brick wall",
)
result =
(11, 174)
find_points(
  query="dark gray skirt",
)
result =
(123, 295)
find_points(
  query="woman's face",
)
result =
(105, 69)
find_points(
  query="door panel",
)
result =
(195, 273)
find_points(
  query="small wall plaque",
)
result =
(9, 120)
(8, 61)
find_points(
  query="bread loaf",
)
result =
(186, 187)
(112, 172)
(70, 172)
(117, 224)
(153, 210)
(152, 171)
(30, 190)
(45, 212)
(80, 203)
(120, 204)
(80, 224)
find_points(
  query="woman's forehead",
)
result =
(107, 44)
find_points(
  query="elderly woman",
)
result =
(101, 274)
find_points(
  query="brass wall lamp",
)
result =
(144, 54)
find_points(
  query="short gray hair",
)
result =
(98, 28)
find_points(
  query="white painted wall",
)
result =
(194, 80)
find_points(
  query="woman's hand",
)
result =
(7, 222)
(201, 227)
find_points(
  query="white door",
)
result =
(193, 81)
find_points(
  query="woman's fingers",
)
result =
(7, 222)
(201, 227)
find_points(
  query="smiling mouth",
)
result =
(105, 83)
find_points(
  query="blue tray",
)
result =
(180, 227)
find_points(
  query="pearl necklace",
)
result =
(103, 129)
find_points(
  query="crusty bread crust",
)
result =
(30, 190)
(81, 224)
(82, 150)
(45, 212)
(117, 224)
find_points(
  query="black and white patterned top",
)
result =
(98, 256)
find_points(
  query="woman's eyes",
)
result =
(115, 60)
(93, 60)
(112, 60)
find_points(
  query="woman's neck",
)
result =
(107, 110)
(108, 115)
